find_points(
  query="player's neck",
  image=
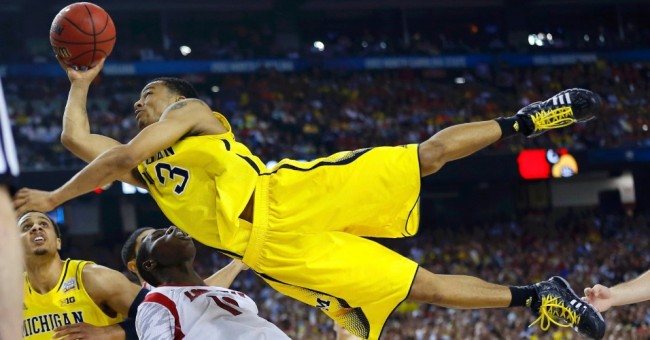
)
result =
(176, 277)
(44, 272)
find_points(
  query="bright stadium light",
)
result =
(185, 50)
(319, 46)
(215, 89)
(459, 80)
(531, 39)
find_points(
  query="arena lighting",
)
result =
(185, 50)
(319, 45)
(129, 189)
(549, 163)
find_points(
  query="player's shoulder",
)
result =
(188, 105)
(93, 269)
(101, 278)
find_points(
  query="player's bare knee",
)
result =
(431, 155)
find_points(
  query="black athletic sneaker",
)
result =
(559, 305)
(563, 109)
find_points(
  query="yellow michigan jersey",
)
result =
(308, 217)
(202, 184)
(67, 303)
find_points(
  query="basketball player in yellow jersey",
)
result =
(72, 299)
(301, 225)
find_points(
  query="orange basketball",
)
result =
(81, 34)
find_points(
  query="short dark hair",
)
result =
(128, 249)
(179, 86)
(57, 231)
(143, 255)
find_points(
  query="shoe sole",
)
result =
(568, 286)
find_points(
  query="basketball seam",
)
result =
(92, 23)
(105, 26)
(75, 25)
(81, 43)
(82, 54)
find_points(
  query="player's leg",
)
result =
(458, 291)
(552, 301)
(458, 141)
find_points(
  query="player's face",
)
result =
(170, 246)
(154, 99)
(38, 235)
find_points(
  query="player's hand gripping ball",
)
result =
(81, 34)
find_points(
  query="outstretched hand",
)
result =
(77, 75)
(599, 296)
(31, 199)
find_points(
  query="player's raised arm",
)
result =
(225, 276)
(76, 135)
(179, 120)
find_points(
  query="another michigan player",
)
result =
(73, 298)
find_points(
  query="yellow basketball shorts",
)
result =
(308, 219)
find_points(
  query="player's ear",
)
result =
(58, 244)
(179, 98)
(132, 267)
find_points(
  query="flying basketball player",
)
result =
(301, 225)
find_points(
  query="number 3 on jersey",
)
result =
(165, 171)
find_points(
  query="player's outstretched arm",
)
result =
(110, 288)
(177, 121)
(225, 276)
(76, 135)
(637, 290)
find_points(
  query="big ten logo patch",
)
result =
(67, 301)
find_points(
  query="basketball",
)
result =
(81, 34)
